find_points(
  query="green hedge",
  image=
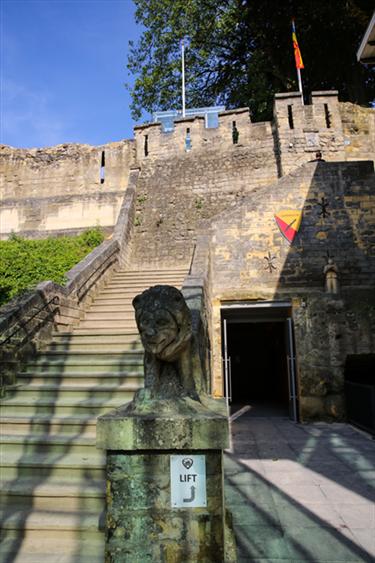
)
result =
(24, 263)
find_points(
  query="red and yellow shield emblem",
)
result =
(289, 222)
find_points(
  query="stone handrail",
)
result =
(27, 322)
(197, 290)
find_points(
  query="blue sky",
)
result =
(63, 68)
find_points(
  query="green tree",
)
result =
(241, 52)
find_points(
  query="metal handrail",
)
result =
(55, 300)
(92, 274)
(192, 258)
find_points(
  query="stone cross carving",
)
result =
(171, 361)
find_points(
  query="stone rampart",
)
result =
(188, 174)
(177, 195)
(63, 188)
(359, 131)
(252, 261)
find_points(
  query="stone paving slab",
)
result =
(301, 492)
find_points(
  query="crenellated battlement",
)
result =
(57, 189)
(190, 133)
(302, 130)
(296, 133)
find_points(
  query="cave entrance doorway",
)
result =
(258, 351)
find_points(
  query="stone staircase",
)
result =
(52, 475)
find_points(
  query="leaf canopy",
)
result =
(240, 52)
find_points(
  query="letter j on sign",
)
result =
(188, 481)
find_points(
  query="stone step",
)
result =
(43, 495)
(53, 466)
(130, 334)
(77, 426)
(152, 272)
(99, 347)
(117, 343)
(54, 521)
(116, 335)
(76, 366)
(71, 356)
(49, 443)
(113, 300)
(141, 285)
(107, 316)
(126, 310)
(126, 293)
(107, 325)
(20, 406)
(83, 378)
(53, 546)
(76, 393)
(153, 276)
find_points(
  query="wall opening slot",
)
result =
(235, 133)
(188, 140)
(327, 116)
(290, 117)
(102, 168)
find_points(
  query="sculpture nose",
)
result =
(150, 331)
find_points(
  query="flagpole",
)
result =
(298, 59)
(300, 84)
(183, 76)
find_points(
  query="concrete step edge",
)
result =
(30, 387)
(72, 362)
(68, 352)
(51, 520)
(58, 403)
(78, 374)
(56, 489)
(45, 461)
(55, 439)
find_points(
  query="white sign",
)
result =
(188, 481)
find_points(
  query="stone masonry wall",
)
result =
(177, 195)
(57, 189)
(302, 130)
(328, 327)
(359, 131)
(166, 145)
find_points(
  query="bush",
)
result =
(24, 263)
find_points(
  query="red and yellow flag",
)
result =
(297, 52)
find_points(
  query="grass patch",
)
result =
(24, 263)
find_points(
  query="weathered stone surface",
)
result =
(169, 415)
(178, 424)
(327, 326)
(172, 362)
(54, 189)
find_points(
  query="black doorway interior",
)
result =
(258, 352)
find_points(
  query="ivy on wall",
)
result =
(24, 263)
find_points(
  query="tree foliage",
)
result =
(241, 52)
(24, 263)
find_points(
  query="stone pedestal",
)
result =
(142, 522)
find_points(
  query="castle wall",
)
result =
(327, 326)
(359, 131)
(177, 195)
(59, 189)
(302, 130)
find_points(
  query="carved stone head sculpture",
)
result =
(171, 363)
(163, 320)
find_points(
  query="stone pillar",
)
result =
(165, 497)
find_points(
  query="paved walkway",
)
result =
(301, 492)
